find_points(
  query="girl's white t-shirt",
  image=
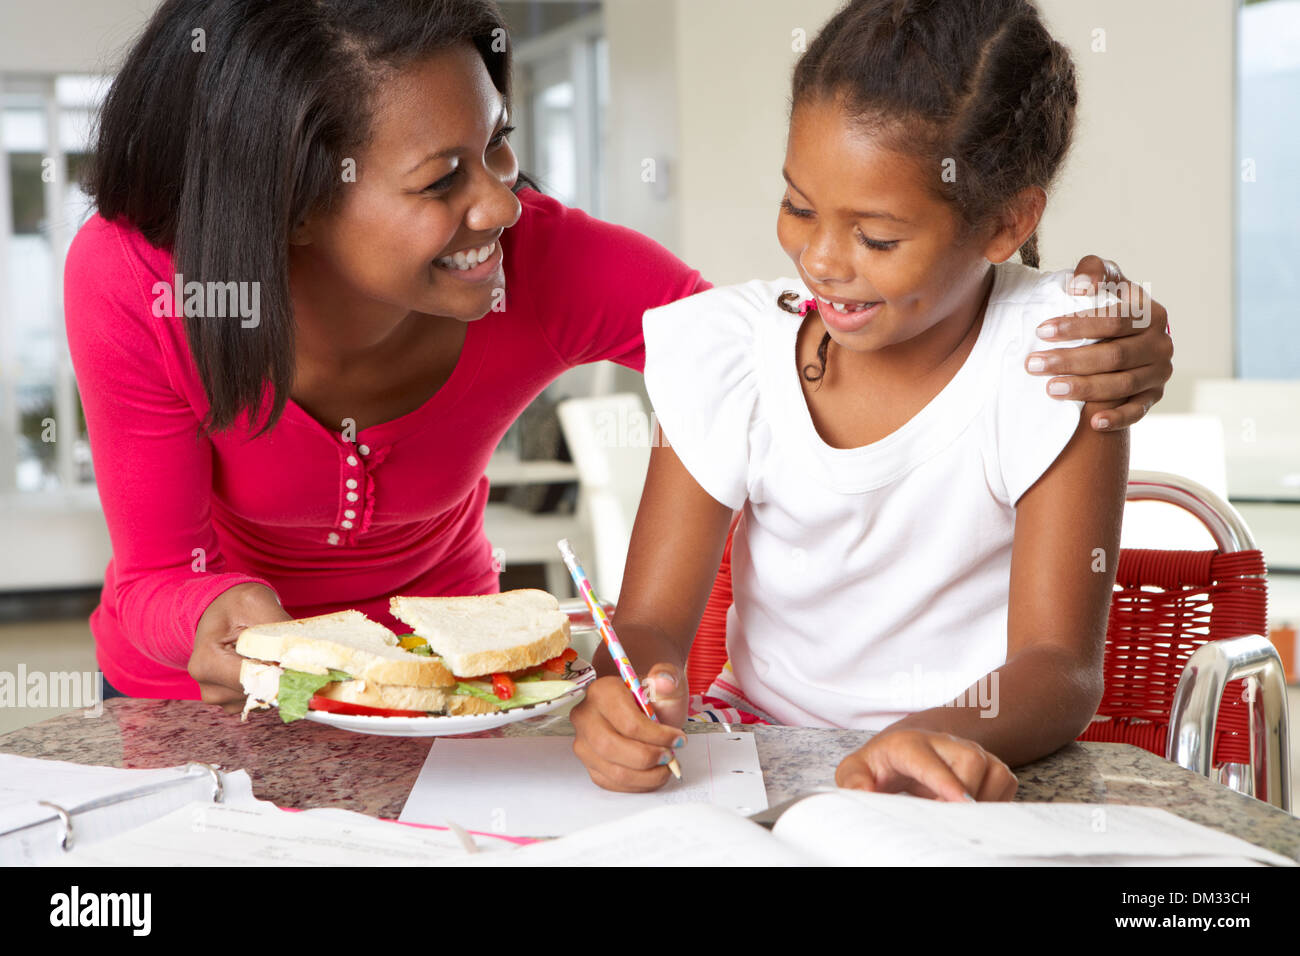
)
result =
(868, 582)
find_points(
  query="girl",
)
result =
(926, 547)
(345, 165)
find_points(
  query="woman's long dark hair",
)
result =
(976, 89)
(229, 123)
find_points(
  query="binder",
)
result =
(47, 808)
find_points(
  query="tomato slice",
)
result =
(357, 710)
(556, 665)
(503, 686)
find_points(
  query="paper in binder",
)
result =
(48, 807)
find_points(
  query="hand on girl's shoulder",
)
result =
(926, 763)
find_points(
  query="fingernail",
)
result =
(1080, 284)
(679, 742)
(667, 677)
(1047, 330)
(1103, 423)
(1036, 364)
(1058, 388)
(969, 797)
(664, 759)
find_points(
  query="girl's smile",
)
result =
(847, 318)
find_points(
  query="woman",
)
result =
(294, 366)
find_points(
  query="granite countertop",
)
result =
(306, 764)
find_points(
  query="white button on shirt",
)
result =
(352, 460)
(364, 449)
(351, 482)
(349, 513)
(333, 538)
(352, 496)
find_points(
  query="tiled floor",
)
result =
(66, 646)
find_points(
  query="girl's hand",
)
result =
(622, 748)
(1132, 363)
(214, 663)
(927, 764)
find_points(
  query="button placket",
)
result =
(358, 484)
(352, 469)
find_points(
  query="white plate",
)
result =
(580, 672)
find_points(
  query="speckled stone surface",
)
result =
(306, 764)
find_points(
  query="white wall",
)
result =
(1151, 177)
(68, 36)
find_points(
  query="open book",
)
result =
(852, 828)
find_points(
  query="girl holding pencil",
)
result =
(926, 546)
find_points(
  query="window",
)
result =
(1268, 191)
(561, 82)
(45, 129)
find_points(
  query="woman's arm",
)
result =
(1062, 573)
(676, 547)
(153, 475)
(1128, 368)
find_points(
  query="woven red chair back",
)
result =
(1166, 605)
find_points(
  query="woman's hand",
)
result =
(926, 763)
(622, 748)
(1130, 365)
(214, 663)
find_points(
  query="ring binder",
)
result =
(66, 817)
(218, 789)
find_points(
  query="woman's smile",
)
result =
(477, 264)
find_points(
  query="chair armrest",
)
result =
(1196, 711)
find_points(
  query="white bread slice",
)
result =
(488, 633)
(347, 641)
(261, 683)
(391, 696)
(460, 705)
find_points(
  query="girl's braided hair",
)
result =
(977, 89)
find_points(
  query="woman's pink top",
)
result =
(328, 524)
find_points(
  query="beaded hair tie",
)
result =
(786, 301)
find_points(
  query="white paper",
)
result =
(26, 780)
(245, 831)
(535, 786)
(857, 828)
(690, 835)
(31, 833)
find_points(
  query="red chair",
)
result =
(1174, 646)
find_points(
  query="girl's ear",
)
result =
(1017, 224)
(301, 234)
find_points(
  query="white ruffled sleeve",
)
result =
(701, 375)
(1030, 428)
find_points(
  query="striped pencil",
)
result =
(639, 690)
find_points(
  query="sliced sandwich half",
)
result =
(341, 662)
(505, 650)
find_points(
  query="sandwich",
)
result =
(504, 650)
(467, 655)
(342, 662)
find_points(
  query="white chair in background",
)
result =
(1187, 445)
(609, 439)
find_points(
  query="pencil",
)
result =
(625, 670)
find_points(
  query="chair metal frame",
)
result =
(1252, 657)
